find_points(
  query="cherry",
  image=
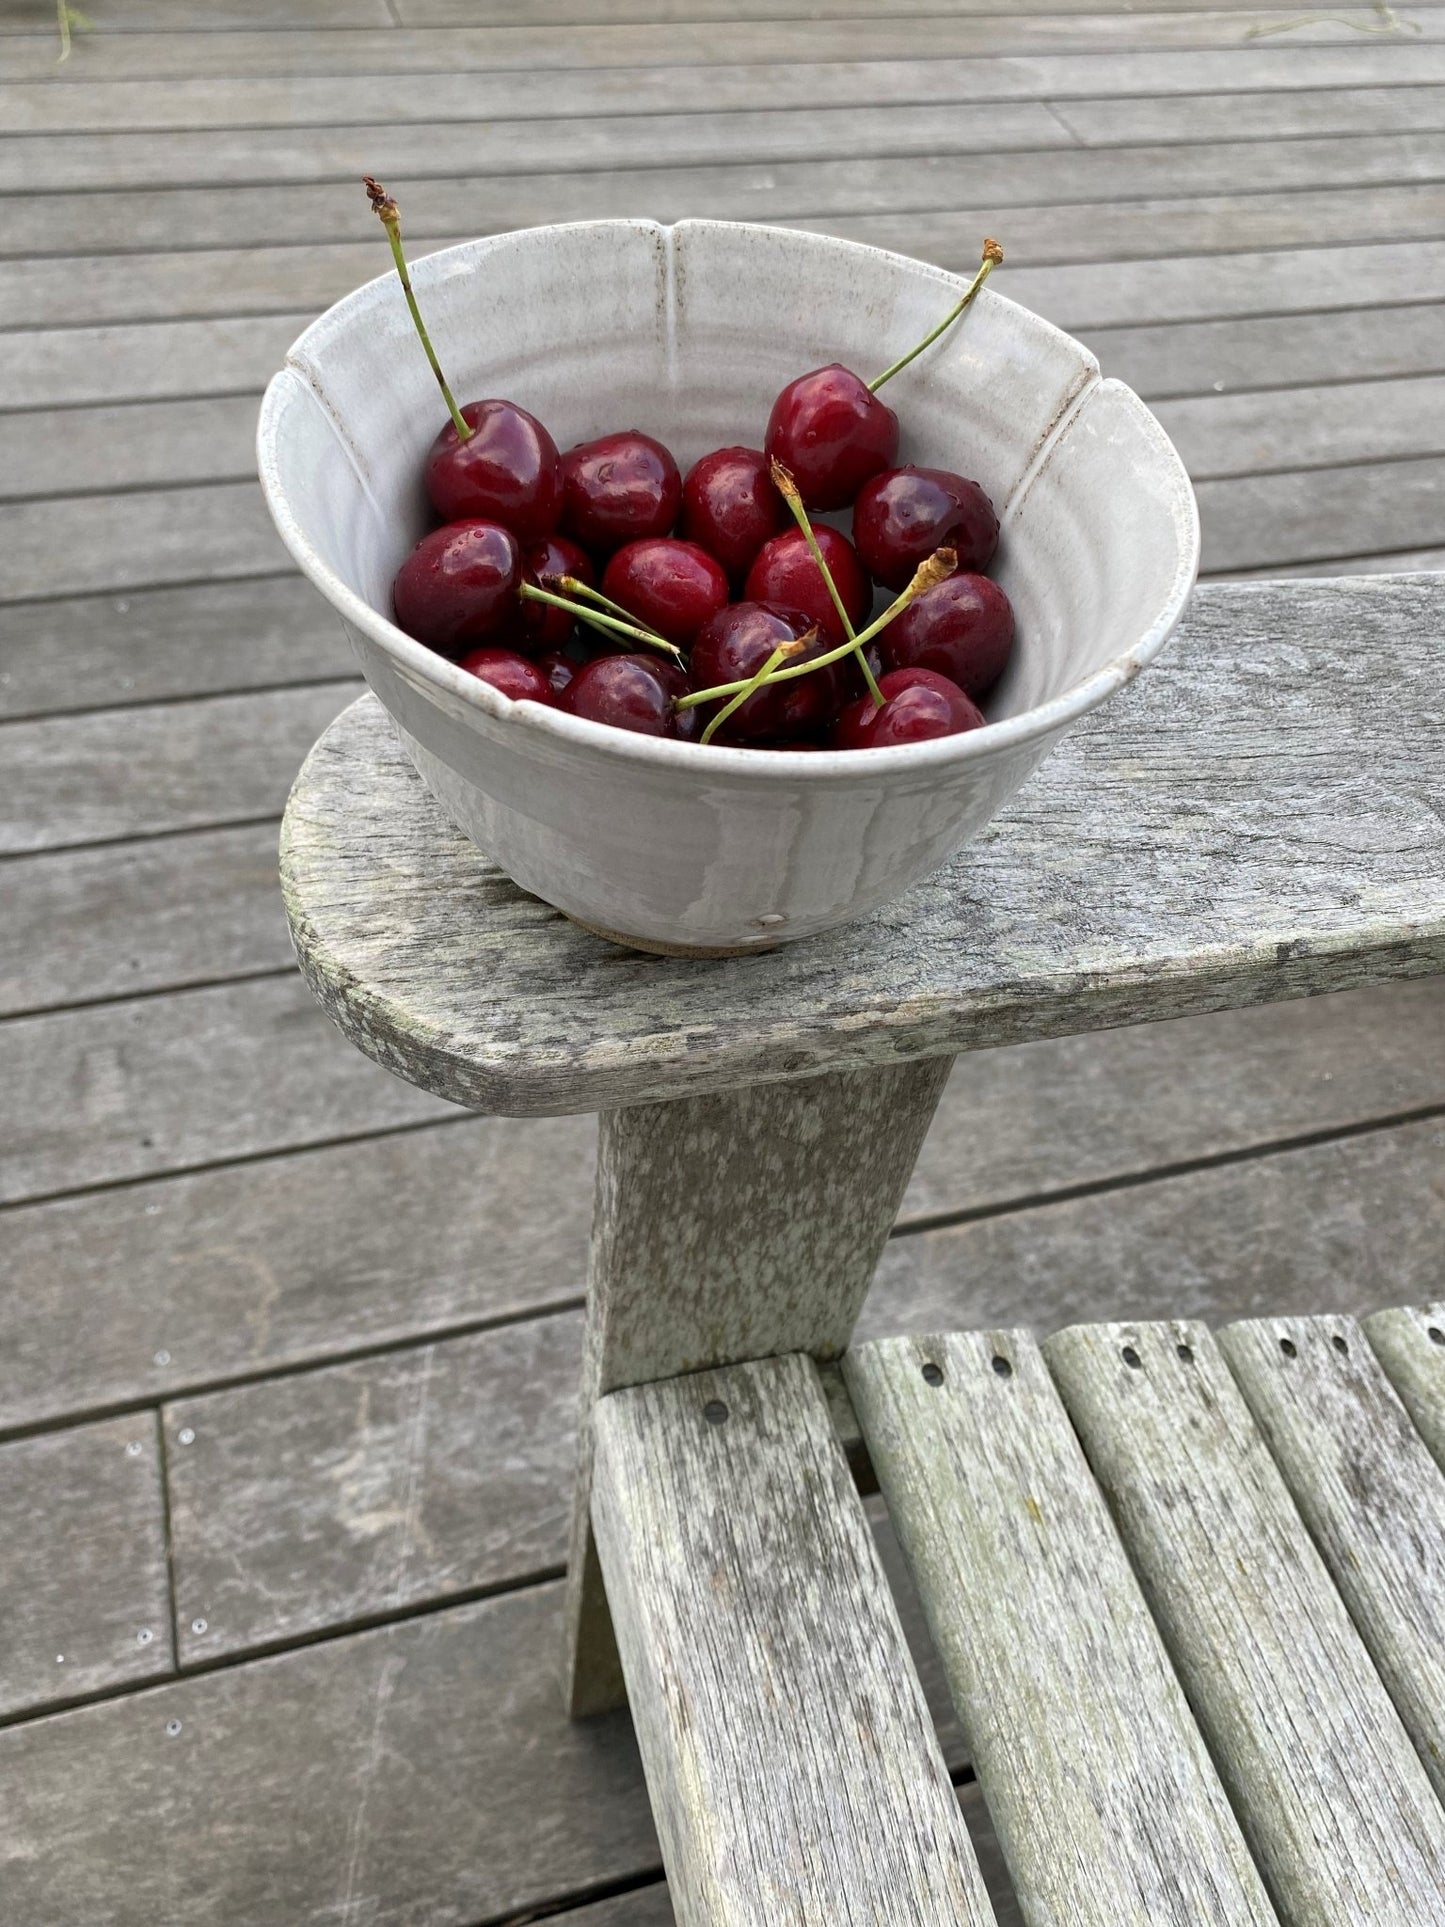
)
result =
(963, 629)
(619, 489)
(786, 574)
(735, 644)
(902, 516)
(458, 585)
(541, 625)
(672, 587)
(507, 470)
(730, 506)
(630, 692)
(917, 705)
(558, 669)
(832, 433)
(514, 675)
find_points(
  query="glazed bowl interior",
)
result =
(688, 333)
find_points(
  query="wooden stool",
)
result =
(1253, 822)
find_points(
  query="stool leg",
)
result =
(729, 1228)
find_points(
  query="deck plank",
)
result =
(1261, 520)
(1410, 1342)
(1278, 430)
(84, 1587)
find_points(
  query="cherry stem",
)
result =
(390, 217)
(531, 593)
(785, 485)
(746, 689)
(586, 593)
(928, 575)
(992, 256)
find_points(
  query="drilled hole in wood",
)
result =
(1131, 1358)
(1186, 1352)
(1289, 1348)
(1341, 1345)
(932, 1374)
(1002, 1366)
(715, 1412)
(1435, 1335)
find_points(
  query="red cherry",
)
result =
(832, 433)
(558, 669)
(619, 489)
(902, 516)
(917, 705)
(730, 506)
(785, 573)
(672, 587)
(508, 471)
(736, 643)
(630, 692)
(963, 629)
(541, 626)
(514, 675)
(458, 585)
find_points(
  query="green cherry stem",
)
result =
(530, 592)
(584, 592)
(390, 217)
(785, 485)
(746, 689)
(928, 575)
(992, 256)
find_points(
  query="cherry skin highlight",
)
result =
(630, 692)
(963, 629)
(620, 488)
(458, 586)
(832, 434)
(917, 706)
(736, 643)
(902, 516)
(670, 586)
(786, 574)
(514, 675)
(508, 471)
(730, 507)
(540, 626)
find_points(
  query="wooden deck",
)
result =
(287, 1349)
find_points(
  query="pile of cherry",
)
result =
(708, 607)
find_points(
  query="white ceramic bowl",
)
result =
(688, 332)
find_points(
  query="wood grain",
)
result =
(1410, 1343)
(1330, 1793)
(133, 541)
(790, 1758)
(1227, 435)
(1327, 876)
(1100, 1789)
(84, 1590)
(1370, 1493)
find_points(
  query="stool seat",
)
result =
(1262, 816)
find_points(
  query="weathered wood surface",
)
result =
(730, 1227)
(1319, 428)
(1330, 1793)
(430, 1775)
(1340, 1225)
(112, 774)
(790, 1758)
(156, 644)
(1370, 1493)
(153, 536)
(1236, 833)
(355, 1492)
(84, 1595)
(1410, 1343)
(1107, 1807)
(1256, 520)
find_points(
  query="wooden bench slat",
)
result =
(1411, 1346)
(1370, 1493)
(1328, 1788)
(1101, 1791)
(793, 1768)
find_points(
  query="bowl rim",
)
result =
(1029, 726)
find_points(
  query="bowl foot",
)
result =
(656, 949)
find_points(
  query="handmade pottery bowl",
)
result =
(688, 332)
